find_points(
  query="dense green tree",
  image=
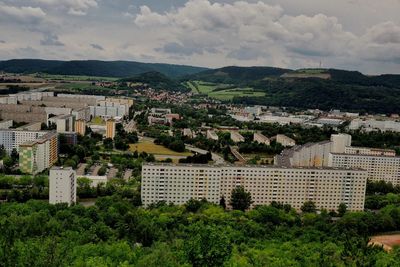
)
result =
(308, 207)
(240, 199)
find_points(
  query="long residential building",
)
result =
(380, 164)
(12, 138)
(327, 187)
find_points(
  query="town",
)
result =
(199, 133)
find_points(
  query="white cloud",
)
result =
(73, 7)
(23, 14)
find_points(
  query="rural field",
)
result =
(224, 92)
(151, 148)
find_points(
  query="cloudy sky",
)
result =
(349, 34)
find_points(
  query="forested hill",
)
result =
(156, 80)
(237, 75)
(118, 69)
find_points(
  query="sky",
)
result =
(348, 34)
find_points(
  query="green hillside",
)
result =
(118, 69)
(237, 75)
(156, 80)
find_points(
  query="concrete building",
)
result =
(327, 187)
(211, 134)
(189, 133)
(62, 185)
(12, 138)
(65, 123)
(236, 137)
(262, 139)
(6, 124)
(284, 140)
(375, 125)
(80, 126)
(380, 164)
(34, 126)
(81, 114)
(110, 129)
(36, 156)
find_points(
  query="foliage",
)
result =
(240, 199)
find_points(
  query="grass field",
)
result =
(73, 77)
(154, 149)
(78, 86)
(223, 92)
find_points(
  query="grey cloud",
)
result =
(50, 39)
(384, 33)
(175, 48)
(2, 42)
(21, 14)
(245, 53)
(96, 46)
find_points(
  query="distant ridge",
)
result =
(117, 69)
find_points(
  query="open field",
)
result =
(78, 86)
(387, 241)
(73, 77)
(224, 92)
(151, 148)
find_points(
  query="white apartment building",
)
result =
(11, 138)
(326, 187)
(62, 185)
(236, 137)
(375, 125)
(284, 140)
(211, 134)
(380, 164)
(260, 138)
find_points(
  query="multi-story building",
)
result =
(236, 137)
(375, 125)
(12, 138)
(380, 164)
(327, 187)
(80, 126)
(62, 185)
(36, 156)
(260, 138)
(211, 134)
(284, 140)
(110, 129)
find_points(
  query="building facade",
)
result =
(381, 164)
(327, 187)
(80, 126)
(36, 156)
(62, 185)
(110, 129)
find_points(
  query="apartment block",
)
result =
(380, 164)
(260, 138)
(284, 140)
(110, 129)
(327, 187)
(12, 138)
(62, 185)
(36, 156)
(80, 126)
(211, 134)
(236, 137)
